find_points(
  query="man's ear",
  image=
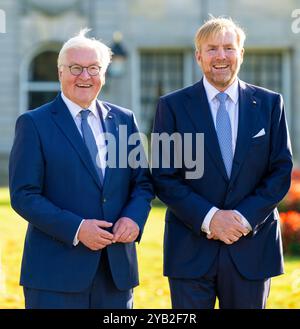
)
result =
(242, 55)
(103, 79)
(198, 57)
(59, 73)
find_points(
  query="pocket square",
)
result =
(260, 133)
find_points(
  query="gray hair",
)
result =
(81, 41)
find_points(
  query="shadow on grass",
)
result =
(157, 203)
(4, 203)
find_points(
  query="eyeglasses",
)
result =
(78, 69)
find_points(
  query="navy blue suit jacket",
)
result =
(54, 185)
(260, 178)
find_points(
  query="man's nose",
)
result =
(221, 53)
(85, 74)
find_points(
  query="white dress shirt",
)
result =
(96, 125)
(232, 107)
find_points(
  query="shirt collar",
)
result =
(232, 91)
(75, 108)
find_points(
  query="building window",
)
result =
(42, 85)
(161, 72)
(270, 69)
(263, 69)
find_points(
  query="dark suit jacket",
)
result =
(259, 180)
(54, 185)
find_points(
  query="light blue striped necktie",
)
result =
(90, 142)
(223, 128)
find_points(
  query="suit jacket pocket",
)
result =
(259, 140)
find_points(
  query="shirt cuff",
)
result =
(207, 220)
(244, 221)
(76, 241)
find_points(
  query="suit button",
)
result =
(103, 200)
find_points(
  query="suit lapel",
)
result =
(199, 111)
(248, 114)
(110, 126)
(63, 119)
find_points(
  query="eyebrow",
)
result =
(226, 45)
(96, 63)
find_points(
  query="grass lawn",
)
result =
(153, 291)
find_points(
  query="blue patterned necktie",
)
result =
(223, 128)
(90, 142)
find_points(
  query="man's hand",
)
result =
(125, 230)
(227, 226)
(93, 236)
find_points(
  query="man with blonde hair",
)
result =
(84, 216)
(222, 231)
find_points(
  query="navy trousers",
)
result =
(101, 294)
(223, 281)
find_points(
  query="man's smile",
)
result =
(221, 67)
(84, 85)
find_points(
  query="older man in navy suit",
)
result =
(222, 231)
(84, 216)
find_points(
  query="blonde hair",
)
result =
(81, 41)
(216, 24)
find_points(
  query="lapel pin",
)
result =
(110, 117)
(254, 102)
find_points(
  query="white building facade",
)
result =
(158, 39)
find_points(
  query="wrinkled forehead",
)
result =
(222, 36)
(83, 56)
